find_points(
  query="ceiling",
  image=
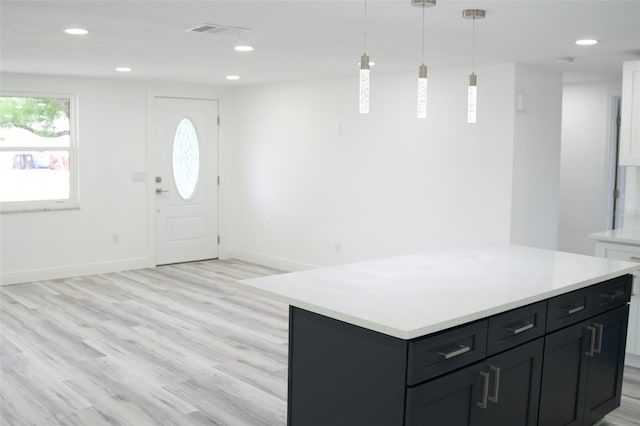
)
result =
(297, 40)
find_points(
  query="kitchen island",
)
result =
(456, 337)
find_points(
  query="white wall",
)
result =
(294, 191)
(536, 159)
(112, 146)
(390, 184)
(584, 208)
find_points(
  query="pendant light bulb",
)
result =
(472, 103)
(364, 84)
(364, 71)
(422, 91)
(472, 92)
(422, 75)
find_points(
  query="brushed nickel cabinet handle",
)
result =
(575, 309)
(614, 295)
(485, 390)
(521, 329)
(462, 349)
(496, 384)
(592, 341)
(636, 258)
(599, 336)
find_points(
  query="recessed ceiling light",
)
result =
(123, 69)
(586, 42)
(76, 31)
(243, 48)
(233, 77)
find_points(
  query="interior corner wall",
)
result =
(584, 209)
(536, 157)
(112, 146)
(317, 183)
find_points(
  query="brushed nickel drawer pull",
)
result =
(485, 390)
(614, 295)
(598, 345)
(457, 352)
(575, 309)
(521, 329)
(592, 341)
(636, 258)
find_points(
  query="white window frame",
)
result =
(47, 205)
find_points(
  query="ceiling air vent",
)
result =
(217, 29)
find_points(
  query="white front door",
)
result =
(186, 173)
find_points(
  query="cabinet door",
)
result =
(563, 376)
(515, 386)
(630, 115)
(452, 400)
(604, 378)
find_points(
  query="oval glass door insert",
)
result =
(186, 158)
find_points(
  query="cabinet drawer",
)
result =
(515, 327)
(612, 293)
(440, 353)
(569, 308)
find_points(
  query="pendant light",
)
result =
(472, 94)
(364, 71)
(422, 69)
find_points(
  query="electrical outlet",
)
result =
(338, 247)
(115, 238)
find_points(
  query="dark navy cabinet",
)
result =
(503, 390)
(555, 362)
(583, 368)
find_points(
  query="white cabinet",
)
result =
(629, 250)
(630, 115)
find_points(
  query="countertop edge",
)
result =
(604, 236)
(440, 326)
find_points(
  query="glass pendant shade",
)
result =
(364, 84)
(422, 91)
(472, 103)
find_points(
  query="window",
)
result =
(186, 158)
(38, 159)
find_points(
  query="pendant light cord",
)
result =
(365, 26)
(473, 45)
(423, 33)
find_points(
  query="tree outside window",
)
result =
(37, 164)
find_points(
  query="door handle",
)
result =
(599, 336)
(496, 384)
(485, 390)
(592, 341)
(160, 191)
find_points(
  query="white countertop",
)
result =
(626, 235)
(414, 295)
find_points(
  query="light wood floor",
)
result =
(175, 345)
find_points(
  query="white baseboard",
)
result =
(632, 360)
(26, 276)
(283, 264)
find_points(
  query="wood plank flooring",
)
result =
(174, 345)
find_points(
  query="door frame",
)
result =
(614, 192)
(152, 94)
